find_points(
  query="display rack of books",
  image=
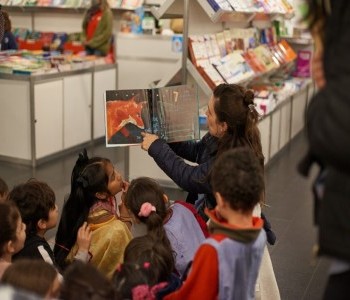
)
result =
(49, 52)
(238, 56)
(230, 10)
(228, 50)
(64, 4)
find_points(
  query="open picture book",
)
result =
(169, 112)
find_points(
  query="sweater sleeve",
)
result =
(202, 282)
(103, 31)
(187, 150)
(190, 178)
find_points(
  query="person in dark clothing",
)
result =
(328, 130)
(8, 42)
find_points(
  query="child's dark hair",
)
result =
(128, 276)
(4, 189)
(237, 175)
(88, 178)
(143, 190)
(32, 275)
(9, 216)
(84, 281)
(34, 200)
(146, 250)
(7, 21)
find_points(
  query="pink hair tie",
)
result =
(146, 209)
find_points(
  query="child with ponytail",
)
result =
(174, 224)
(94, 184)
(148, 269)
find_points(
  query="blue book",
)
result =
(214, 5)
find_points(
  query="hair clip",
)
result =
(146, 209)
(251, 107)
(146, 265)
(141, 291)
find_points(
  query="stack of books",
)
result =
(236, 56)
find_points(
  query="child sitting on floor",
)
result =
(84, 281)
(226, 265)
(36, 203)
(153, 257)
(35, 276)
(12, 234)
(149, 205)
(94, 185)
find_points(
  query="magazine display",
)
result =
(169, 112)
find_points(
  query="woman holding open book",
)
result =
(232, 122)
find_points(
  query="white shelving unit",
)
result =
(47, 115)
(277, 128)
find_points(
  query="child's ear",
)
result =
(42, 224)
(101, 196)
(219, 200)
(10, 248)
(166, 199)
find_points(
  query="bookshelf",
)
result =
(55, 18)
(277, 127)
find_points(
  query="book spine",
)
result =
(214, 5)
(150, 108)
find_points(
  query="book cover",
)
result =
(265, 56)
(303, 65)
(220, 39)
(288, 52)
(169, 112)
(197, 50)
(211, 76)
(44, 3)
(228, 41)
(253, 61)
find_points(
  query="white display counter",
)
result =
(43, 116)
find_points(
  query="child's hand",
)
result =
(84, 237)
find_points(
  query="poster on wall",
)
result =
(169, 112)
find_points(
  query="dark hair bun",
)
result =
(83, 157)
(248, 97)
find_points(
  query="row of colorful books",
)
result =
(215, 46)
(38, 40)
(123, 4)
(236, 64)
(270, 94)
(45, 62)
(252, 6)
